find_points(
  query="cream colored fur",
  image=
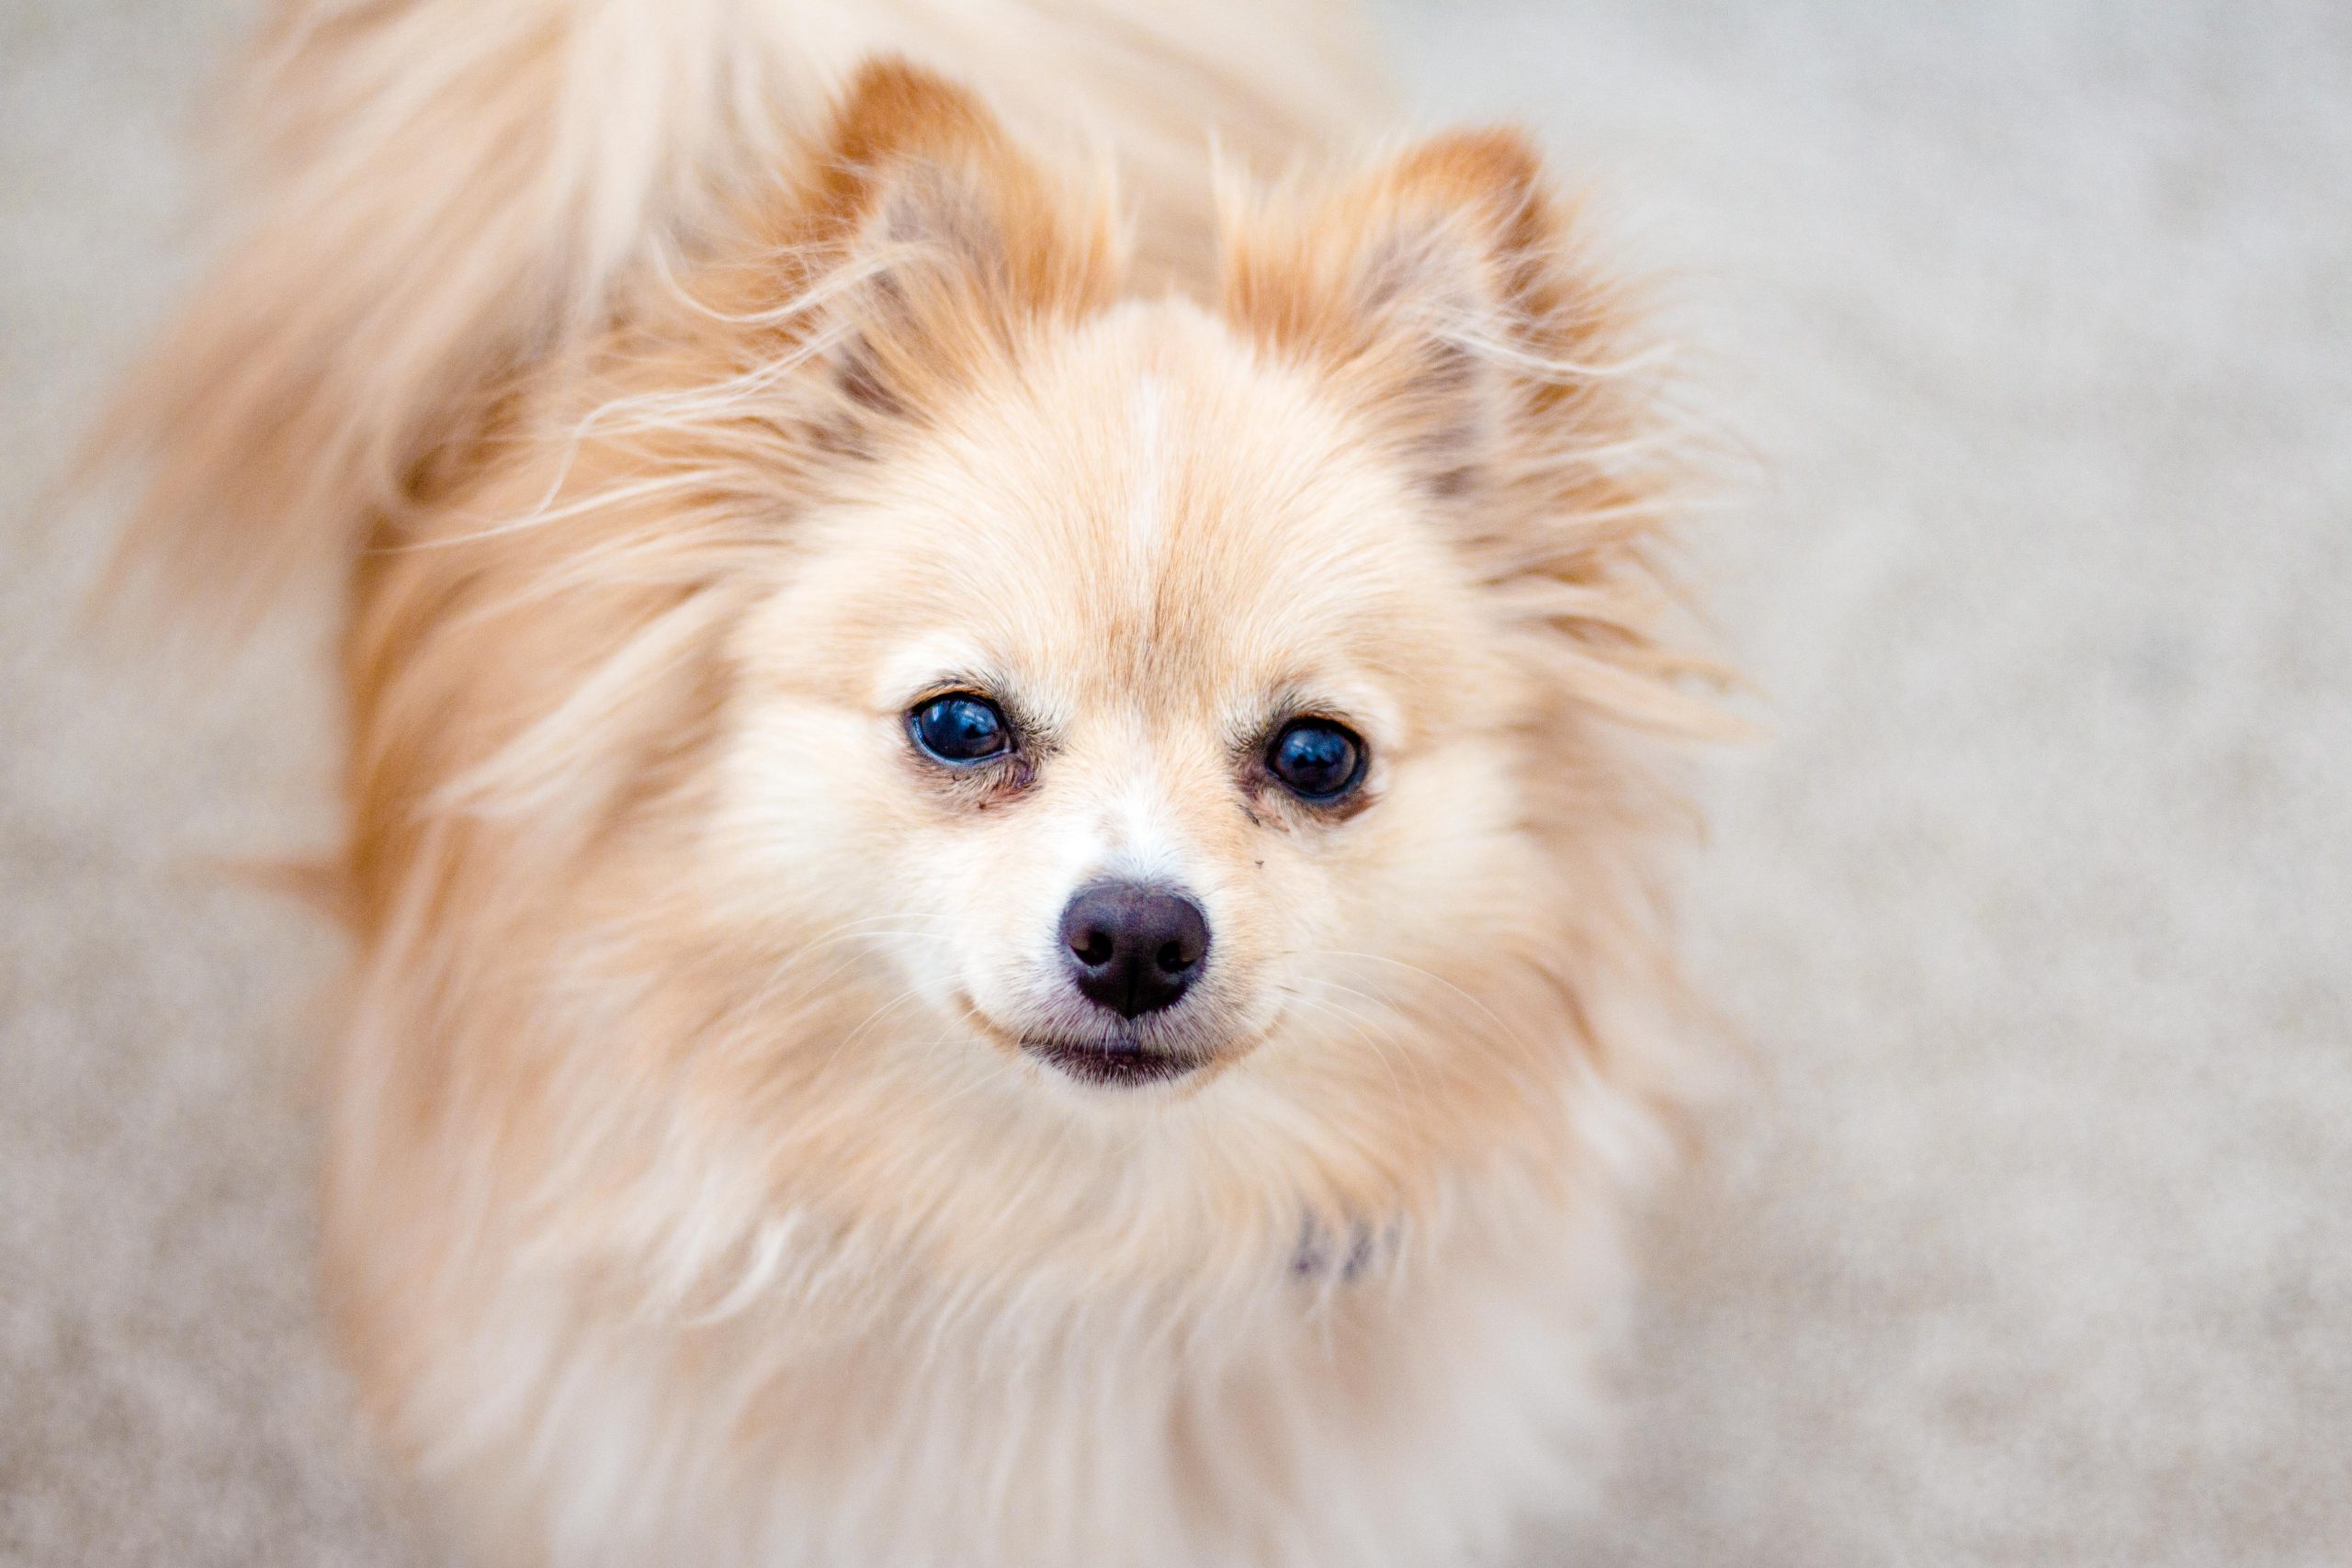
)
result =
(687, 408)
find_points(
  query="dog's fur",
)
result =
(686, 404)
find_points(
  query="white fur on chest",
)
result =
(1397, 1420)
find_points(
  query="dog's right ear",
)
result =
(1428, 288)
(934, 247)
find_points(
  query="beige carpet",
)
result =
(2040, 317)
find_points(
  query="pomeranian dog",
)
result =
(1002, 829)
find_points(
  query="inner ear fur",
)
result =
(927, 246)
(1438, 291)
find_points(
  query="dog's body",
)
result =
(800, 571)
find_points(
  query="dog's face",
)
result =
(1170, 727)
(1138, 709)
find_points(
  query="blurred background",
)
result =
(2035, 1243)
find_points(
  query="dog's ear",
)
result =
(1445, 298)
(943, 246)
(1440, 294)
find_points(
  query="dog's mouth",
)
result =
(1112, 1058)
(1113, 1062)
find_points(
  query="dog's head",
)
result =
(1179, 725)
(1131, 693)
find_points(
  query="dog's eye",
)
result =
(960, 730)
(1316, 760)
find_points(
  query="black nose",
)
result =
(1134, 949)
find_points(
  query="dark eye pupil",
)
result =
(1318, 760)
(960, 730)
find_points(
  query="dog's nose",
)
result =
(1132, 948)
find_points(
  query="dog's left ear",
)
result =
(1438, 293)
(948, 244)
